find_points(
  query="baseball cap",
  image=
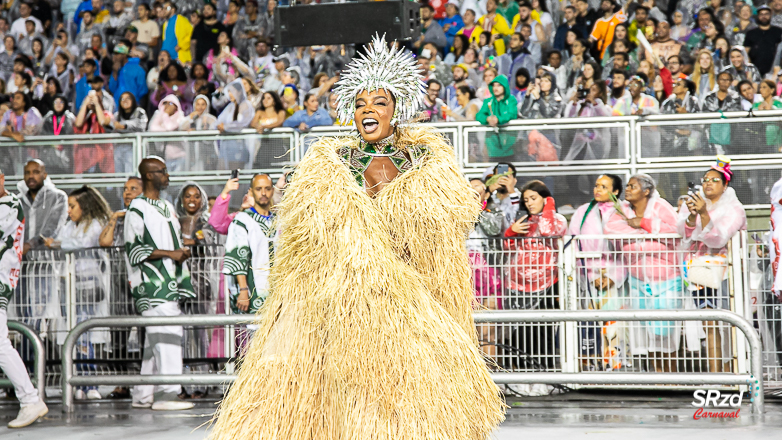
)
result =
(763, 7)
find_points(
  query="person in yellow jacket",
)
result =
(471, 30)
(497, 24)
(176, 34)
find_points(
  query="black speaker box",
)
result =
(346, 23)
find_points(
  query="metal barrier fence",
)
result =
(69, 380)
(19, 329)
(750, 380)
(642, 273)
(58, 290)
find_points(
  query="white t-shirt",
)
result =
(18, 27)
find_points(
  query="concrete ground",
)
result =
(606, 415)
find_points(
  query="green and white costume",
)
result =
(12, 234)
(249, 251)
(150, 225)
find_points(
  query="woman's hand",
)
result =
(221, 127)
(521, 226)
(634, 222)
(49, 242)
(535, 92)
(697, 204)
(230, 185)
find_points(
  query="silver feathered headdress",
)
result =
(393, 70)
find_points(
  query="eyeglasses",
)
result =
(163, 171)
(712, 180)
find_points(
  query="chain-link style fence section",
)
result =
(69, 156)
(198, 153)
(738, 138)
(547, 144)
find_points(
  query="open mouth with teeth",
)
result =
(370, 125)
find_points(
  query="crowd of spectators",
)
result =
(122, 67)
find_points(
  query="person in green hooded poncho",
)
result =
(497, 110)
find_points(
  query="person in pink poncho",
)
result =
(654, 280)
(533, 278)
(166, 119)
(707, 222)
(600, 273)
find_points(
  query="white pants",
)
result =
(13, 367)
(162, 355)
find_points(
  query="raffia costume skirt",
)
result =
(359, 339)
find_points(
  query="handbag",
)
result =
(706, 270)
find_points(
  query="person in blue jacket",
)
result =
(452, 23)
(311, 116)
(131, 77)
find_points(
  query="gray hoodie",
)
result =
(44, 215)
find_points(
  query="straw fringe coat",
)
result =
(368, 331)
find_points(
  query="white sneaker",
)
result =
(79, 395)
(171, 405)
(141, 404)
(93, 395)
(29, 414)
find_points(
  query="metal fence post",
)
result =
(634, 138)
(39, 368)
(736, 288)
(569, 292)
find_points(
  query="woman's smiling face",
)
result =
(374, 111)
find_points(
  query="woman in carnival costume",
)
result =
(368, 331)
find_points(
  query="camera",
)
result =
(235, 174)
(582, 92)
